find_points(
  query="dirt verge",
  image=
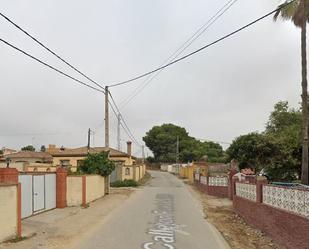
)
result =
(63, 228)
(237, 233)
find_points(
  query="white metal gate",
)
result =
(38, 193)
(38, 187)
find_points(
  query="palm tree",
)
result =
(298, 12)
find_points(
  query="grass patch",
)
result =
(18, 239)
(125, 183)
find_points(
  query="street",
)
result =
(162, 214)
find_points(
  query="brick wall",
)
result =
(288, 229)
(219, 191)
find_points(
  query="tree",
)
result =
(277, 150)
(28, 148)
(97, 163)
(298, 12)
(43, 148)
(161, 140)
(1, 152)
(252, 150)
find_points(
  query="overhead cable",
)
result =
(49, 66)
(204, 47)
(181, 49)
(49, 50)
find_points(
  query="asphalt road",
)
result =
(163, 214)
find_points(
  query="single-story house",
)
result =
(126, 167)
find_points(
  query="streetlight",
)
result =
(8, 160)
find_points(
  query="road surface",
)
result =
(163, 214)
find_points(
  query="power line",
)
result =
(204, 47)
(126, 128)
(182, 48)
(49, 66)
(49, 50)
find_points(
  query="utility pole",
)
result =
(106, 118)
(118, 132)
(177, 149)
(143, 153)
(88, 144)
(177, 155)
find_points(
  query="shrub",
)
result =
(124, 183)
(97, 164)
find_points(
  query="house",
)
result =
(203, 168)
(126, 164)
(72, 158)
(29, 157)
(29, 161)
(7, 151)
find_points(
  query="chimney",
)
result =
(129, 148)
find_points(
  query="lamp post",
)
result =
(8, 160)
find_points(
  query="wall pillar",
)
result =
(19, 210)
(9, 175)
(234, 180)
(230, 183)
(259, 189)
(61, 188)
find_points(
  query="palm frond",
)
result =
(287, 11)
(292, 11)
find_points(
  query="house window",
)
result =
(127, 171)
(64, 163)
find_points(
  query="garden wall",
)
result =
(282, 213)
(216, 186)
(84, 189)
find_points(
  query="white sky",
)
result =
(218, 94)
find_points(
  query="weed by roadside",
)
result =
(145, 179)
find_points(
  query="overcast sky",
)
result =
(218, 94)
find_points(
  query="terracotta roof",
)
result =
(83, 151)
(29, 154)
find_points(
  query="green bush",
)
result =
(97, 163)
(124, 183)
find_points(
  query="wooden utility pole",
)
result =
(106, 118)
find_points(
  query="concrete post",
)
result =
(61, 188)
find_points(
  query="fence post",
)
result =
(61, 188)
